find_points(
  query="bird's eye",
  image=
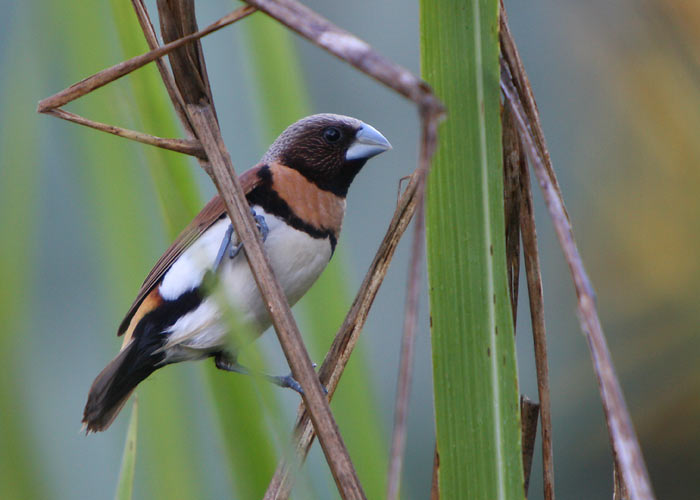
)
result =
(331, 135)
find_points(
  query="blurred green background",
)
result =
(83, 216)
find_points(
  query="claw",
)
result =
(261, 224)
(234, 250)
(290, 382)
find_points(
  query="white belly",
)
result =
(297, 260)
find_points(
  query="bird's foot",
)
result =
(286, 381)
(261, 224)
(226, 363)
(233, 250)
(290, 381)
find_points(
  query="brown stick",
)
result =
(152, 41)
(108, 75)
(177, 20)
(534, 288)
(528, 430)
(188, 147)
(622, 435)
(511, 54)
(512, 157)
(350, 49)
(398, 438)
(345, 340)
(359, 54)
(285, 326)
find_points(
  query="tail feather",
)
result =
(113, 386)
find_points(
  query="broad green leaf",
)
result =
(474, 365)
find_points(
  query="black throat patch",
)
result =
(266, 197)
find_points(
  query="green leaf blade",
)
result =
(125, 485)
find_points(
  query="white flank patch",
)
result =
(297, 260)
(188, 270)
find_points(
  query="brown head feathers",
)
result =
(327, 149)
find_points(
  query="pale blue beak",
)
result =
(368, 143)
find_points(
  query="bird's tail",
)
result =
(113, 386)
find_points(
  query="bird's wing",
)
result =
(212, 212)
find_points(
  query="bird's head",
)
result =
(327, 149)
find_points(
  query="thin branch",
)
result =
(358, 53)
(511, 54)
(167, 78)
(398, 438)
(622, 435)
(512, 157)
(115, 72)
(188, 147)
(619, 489)
(525, 220)
(349, 48)
(152, 41)
(534, 288)
(345, 340)
(177, 19)
(528, 429)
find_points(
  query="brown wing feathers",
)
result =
(317, 211)
(211, 212)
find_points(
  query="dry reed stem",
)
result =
(184, 146)
(403, 390)
(167, 78)
(539, 335)
(115, 72)
(348, 334)
(352, 50)
(520, 222)
(622, 435)
(529, 412)
(345, 340)
(178, 20)
(619, 490)
(510, 51)
(512, 158)
(358, 53)
(398, 438)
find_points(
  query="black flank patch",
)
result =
(149, 331)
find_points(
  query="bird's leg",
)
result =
(224, 245)
(224, 362)
(234, 250)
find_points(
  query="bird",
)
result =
(297, 195)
